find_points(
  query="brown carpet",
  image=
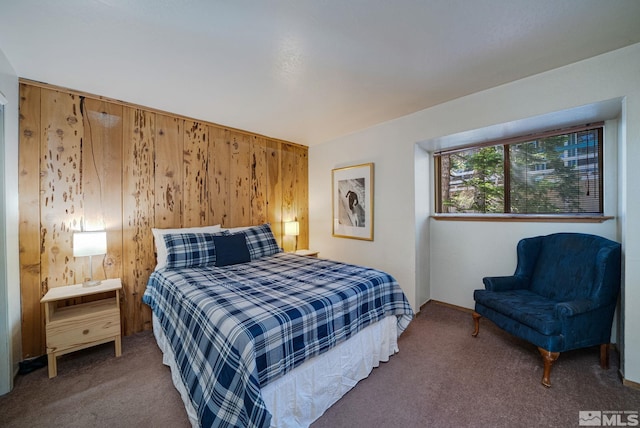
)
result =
(442, 377)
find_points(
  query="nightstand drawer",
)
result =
(76, 332)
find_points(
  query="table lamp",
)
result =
(89, 244)
(292, 228)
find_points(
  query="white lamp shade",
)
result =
(89, 243)
(292, 228)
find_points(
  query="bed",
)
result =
(256, 337)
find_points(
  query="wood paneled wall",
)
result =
(90, 163)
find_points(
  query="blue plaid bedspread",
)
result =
(236, 328)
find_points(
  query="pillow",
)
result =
(260, 241)
(190, 250)
(231, 249)
(161, 248)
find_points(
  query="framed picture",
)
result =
(353, 201)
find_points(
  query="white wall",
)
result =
(460, 253)
(10, 336)
(464, 252)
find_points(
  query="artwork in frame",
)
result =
(353, 201)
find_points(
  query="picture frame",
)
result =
(352, 205)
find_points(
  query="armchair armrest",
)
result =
(574, 307)
(505, 283)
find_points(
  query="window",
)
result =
(557, 172)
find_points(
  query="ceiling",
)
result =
(306, 71)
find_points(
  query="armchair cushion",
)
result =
(523, 306)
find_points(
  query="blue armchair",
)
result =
(562, 295)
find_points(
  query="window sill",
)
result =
(543, 218)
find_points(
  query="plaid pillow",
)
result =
(190, 250)
(161, 248)
(261, 241)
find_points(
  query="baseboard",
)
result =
(627, 382)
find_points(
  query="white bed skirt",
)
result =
(304, 394)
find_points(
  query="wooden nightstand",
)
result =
(75, 327)
(310, 253)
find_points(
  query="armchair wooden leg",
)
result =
(548, 358)
(604, 356)
(476, 323)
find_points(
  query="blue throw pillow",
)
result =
(261, 241)
(231, 249)
(190, 250)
